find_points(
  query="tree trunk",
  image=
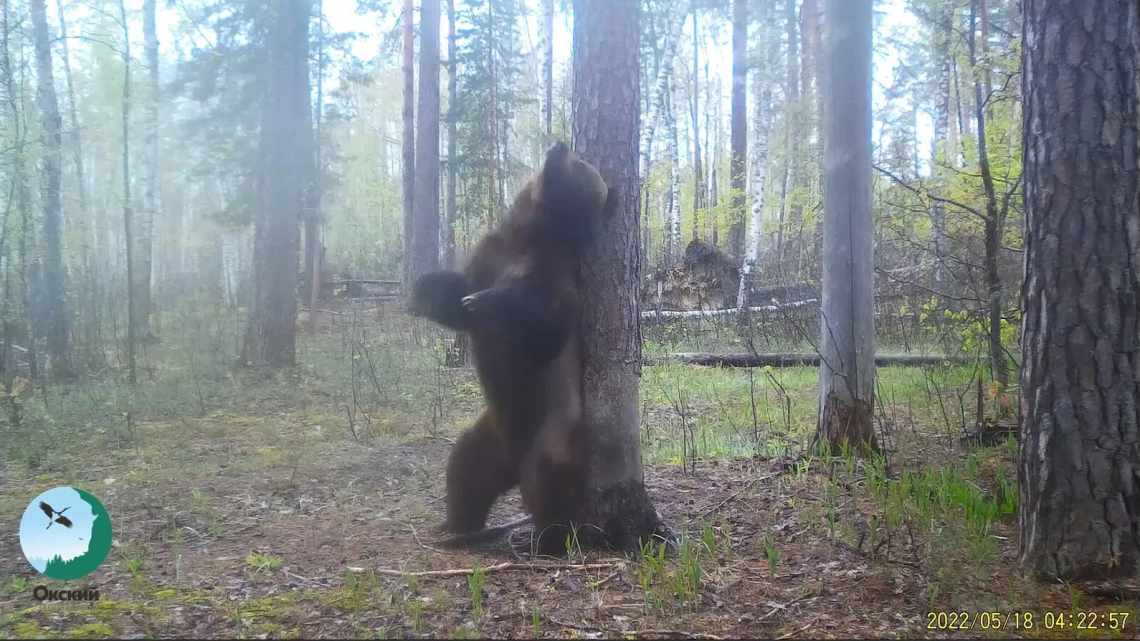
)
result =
(425, 220)
(547, 67)
(668, 117)
(739, 124)
(605, 117)
(20, 195)
(940, 146)
(993, 224)
(762, 118)
(56, 318)
(284, 169)
(128, 213)
(698, 174)
(314, 248)
(847, 372)
(73, 117)
(144, 304)
(792, 133)
(409, 155)
(1079, 513)
(452, 123)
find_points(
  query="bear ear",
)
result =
(556, 165)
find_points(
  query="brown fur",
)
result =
(518, 298)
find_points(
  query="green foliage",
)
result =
(475, 582)
(771, 552)
(262, 562)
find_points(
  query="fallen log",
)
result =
(713, 313)
(793, 360)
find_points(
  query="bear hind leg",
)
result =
(479, 469)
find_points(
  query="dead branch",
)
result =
(793, 360)
(506, 565)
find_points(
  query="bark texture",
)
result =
(284, 169)
(56, 320)
(1079, 513)
(739, 124)
(425, 217)
(144, 304)
(605, 133)
(408, 165)
(847, 373)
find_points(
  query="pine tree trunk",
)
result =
(284, 168)
(425, 220)
(605, 120)
(409, 137)
(144, 304)
(847, 370)
(57, 319)
(452, 123)
(739, 124)
(1079, 512)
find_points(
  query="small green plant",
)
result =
(687, 577)
(771, 553)
(535, 621)
(133, 558)
(415, 609)
(652, 566)
(15, 585)
(475, 582)
(262, 562)
(571, 544)
(708, 538)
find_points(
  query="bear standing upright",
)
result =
(518, 298)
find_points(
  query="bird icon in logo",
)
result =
(54, 516)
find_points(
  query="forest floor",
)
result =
(302, 504)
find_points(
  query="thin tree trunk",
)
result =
(314, 248)
(144, 304)
(128, 214)
(56, 322)
(73, 117)
(547, 67)
(940, 147)
(452, 124)
(425, 220)
(1079, 509)
(409, 153)
(993, 225)
(668, 117)
(792, 135)
(739, 124)
(698, 174)
(605, 121)
(847, 371)
(759, 178)
(284, 170)
(20, 196)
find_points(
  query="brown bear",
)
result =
(518, 299)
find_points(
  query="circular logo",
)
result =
(65, 533)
